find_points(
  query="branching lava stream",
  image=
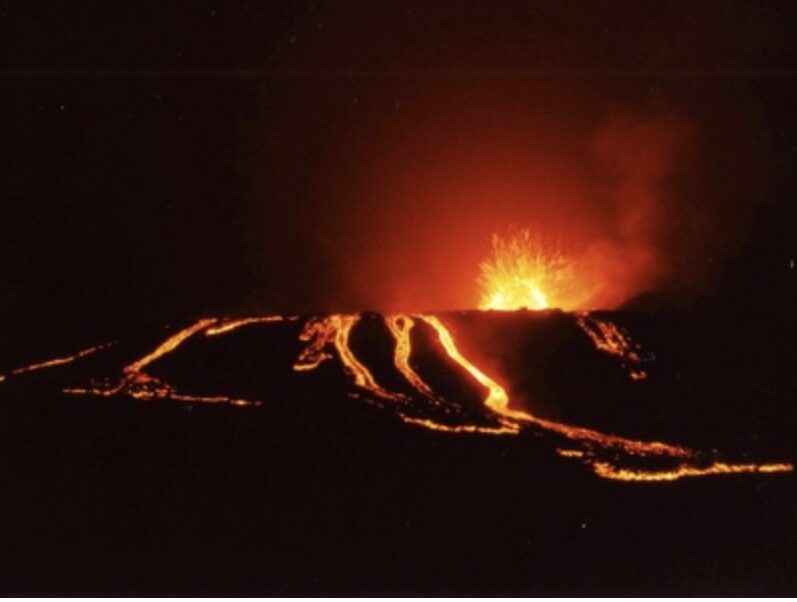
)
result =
(326, 338)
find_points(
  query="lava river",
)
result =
(326, 341)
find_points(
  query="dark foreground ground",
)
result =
(318, 493)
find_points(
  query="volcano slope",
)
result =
(463, 452)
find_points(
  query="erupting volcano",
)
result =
(522, 274)
(398, 298)
(431, 382)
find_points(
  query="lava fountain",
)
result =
(521, 273)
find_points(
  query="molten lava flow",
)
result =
(59, 361)
(498, 401)
(320, 333)
(595, 442)
(607, 471)
(570, 453)
(400, 326)
(229, 325)
(138, 384)
(433, 425)
(611, 339)
(362, 376)
(609, 456)
(167, 346)
(522, 274)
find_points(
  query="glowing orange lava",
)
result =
(609, 456)
(167, 346)
(230, 325)
(570, 453)
(498, 401)
(400, 326)
(599, 450)
(58, 361)
(611, 339)
(522, 274)
(321, 333)
(136, 383)
(608, 471)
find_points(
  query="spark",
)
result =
(522, 274)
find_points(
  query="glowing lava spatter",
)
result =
(522, 274)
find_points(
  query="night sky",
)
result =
(162, 161)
